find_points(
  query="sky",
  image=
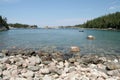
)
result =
(56, 12)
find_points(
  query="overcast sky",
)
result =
(56, 12)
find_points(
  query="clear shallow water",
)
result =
(106, 42)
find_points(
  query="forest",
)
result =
(103, 22)
(19, 25)
(3, 23)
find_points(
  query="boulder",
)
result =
(90, 37)
(114, 72)
(74, 49)
(112, 65)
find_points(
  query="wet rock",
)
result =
(74, 49)
(1, 55)
(90, 37)
(5, 52)
(72, 60)
(112, 65)
(87, 59)
(57, 56)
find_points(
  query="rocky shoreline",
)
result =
(29, 64)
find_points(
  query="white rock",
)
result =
(6, 73)
(101, 66)
(44, 71)
(115, 60)
(66, 64)
(100, 78)
(14, 73)
(75, 49)
(21, 78)
(28, 74)
(61, 65)
(84, 78)
(47, 77)
(90, 37)
(92, 66)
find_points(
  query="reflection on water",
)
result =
(106, 42)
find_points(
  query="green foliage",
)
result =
(3, 22)
(18, 25)
(107, 21)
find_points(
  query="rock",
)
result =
(57, 56)
(44, 71)
(72, 60)
(66, 64)
(92, 66)
(1, 55)
(5, 52)
(100, 78)
(90, 37)
(91, 59)
(74, 49)
(101, 66)
(84, 78)
(28, 74)
(61, 65)
(112, 65)
(114, 72)
(6, 73)
(14, 73)
(33, 68)
(71, 69)
(20, 78)
(47, 77)
(34, 60)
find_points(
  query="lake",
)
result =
(106, 42)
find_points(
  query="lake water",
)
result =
(107, 42)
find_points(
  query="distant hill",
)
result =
(19, 25)
(3, 24)
(108, 21)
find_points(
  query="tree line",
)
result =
(103, 22)
(19, 25)
(3, 22)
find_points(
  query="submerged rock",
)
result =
(90, 37)
(74, 49)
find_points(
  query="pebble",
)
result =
(32, 67)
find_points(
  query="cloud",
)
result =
(114, 7)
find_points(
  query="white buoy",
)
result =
(90, 37)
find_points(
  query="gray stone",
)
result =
(5, 52)
(33, 68)
(47, 77)
(44, 71)
(114, 72)
(1, 55)
(112, 65)
(72, 60)
(28, 74)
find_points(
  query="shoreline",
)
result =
(39, 65)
